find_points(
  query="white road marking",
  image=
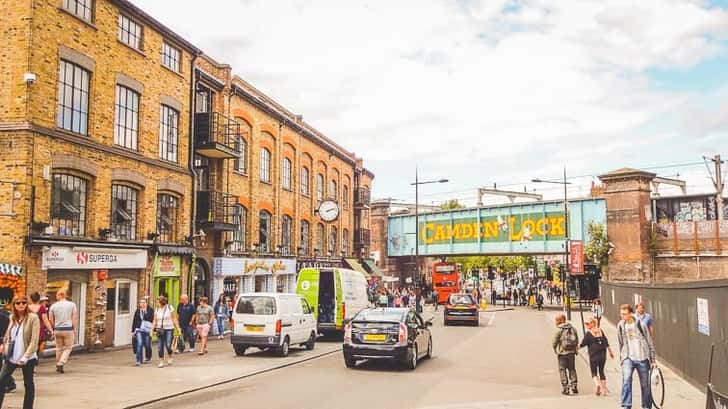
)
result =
(492, 318)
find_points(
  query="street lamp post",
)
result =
(566, 278)
(417, 183)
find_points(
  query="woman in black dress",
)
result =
(598, 346)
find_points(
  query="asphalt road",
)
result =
(507, 362)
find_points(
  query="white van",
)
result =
(272, 321)
(336, 294)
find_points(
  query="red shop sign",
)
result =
(576, 257)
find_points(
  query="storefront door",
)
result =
(168, 287)
(126, 292)
(77, 295)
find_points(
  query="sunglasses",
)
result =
(21, 302)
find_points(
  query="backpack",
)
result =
(568, 340)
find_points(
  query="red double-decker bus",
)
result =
(445, 280)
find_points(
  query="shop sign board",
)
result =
(93, 258)
(232, 266)
(168, 266)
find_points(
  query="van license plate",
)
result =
(254, 328)
(375, 337)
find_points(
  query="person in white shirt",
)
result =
(164, 324)
(20, 346)
(64, 318)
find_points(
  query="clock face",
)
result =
(328, 210)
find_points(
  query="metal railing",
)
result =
(216, 128)
(216, 208)
(362, 196)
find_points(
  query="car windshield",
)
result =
(393, 315)
(461, 299)
(256, 305)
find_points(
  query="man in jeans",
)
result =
(636, 351)
(566, 344)
(63, 316)
(185, 312)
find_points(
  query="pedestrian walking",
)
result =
(565, 344)
(645, 318)
(164, 324)
(597, 310)
(203, 319)
(20, 346)
(222, 314)
(435, 298)
(186, 312)
(539, 301)
(37, 307)
(4, 324)
(141, 328)
(597, 344)
(63, 316)
(636, 352)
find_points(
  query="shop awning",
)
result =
(11, 269)
(356, 266)
(373, 269)
(175, 250)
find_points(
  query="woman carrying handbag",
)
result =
(164, 324)
(20, 346)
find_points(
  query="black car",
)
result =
(461, 308)
(394, 334)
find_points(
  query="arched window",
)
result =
(320, 238)
(305, 242)
(333, 238)
(68, 205)
(345, 197)
(241, 163)
(265, 165)
(240, 219)
(304, 181)
(286, 176)
(124, 211)
(345, 242)
(167, 217)
(264, 230)
(320, 187)
(286, 230)
(333, 190)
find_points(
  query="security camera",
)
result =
(29, 78)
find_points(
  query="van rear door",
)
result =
(256, 315)
(308, 286)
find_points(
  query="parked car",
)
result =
(395, 334)
(272, 321)
(461, 308)
(336, 295)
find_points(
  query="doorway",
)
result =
(202, 283)
(124, 306)
(168, 287)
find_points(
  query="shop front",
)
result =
(315, 262)
(233, 276)
(167, 278)
(103, 283)
(11, 283)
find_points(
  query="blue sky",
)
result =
(486, 91)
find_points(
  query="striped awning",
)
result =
(11, 269)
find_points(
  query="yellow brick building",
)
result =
(94, 129)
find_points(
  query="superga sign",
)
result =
(92, 258)
(526, 227)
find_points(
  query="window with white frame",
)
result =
(68, 204)
(240, 220)
(305, 241)
(333, 239)
(124, 212)
(264, 231)
(170, 56)
(167, 218)
(73, 92)
(241, 163)
(320, 237)
(286, 174)
(333, 189)
(286, 234)
(168, 133)
(265, 165)
(345, 197)
(320, 187)
(129, 33)
(345, 241)
(82, 9)
(126, 122)
(304, 181)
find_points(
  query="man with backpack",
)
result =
(566, 345)
(636, 351)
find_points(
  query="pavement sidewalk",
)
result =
(111, 380)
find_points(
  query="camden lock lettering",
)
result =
(525, 227)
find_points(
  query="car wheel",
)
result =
(239, 349)
(283, 349)
(349, 362)
(311, 341)
(412, 363)
(477, 323)
(429, 349)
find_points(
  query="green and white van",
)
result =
(336, 294)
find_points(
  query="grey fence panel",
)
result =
(674, 308)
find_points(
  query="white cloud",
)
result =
(450, 82)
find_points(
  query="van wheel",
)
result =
(311, 342)
(239, 349)
(412, 363)
(283, 349)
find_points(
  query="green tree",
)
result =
(452, 204)
(598, 247)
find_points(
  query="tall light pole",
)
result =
(417, 183)
(566, 278)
